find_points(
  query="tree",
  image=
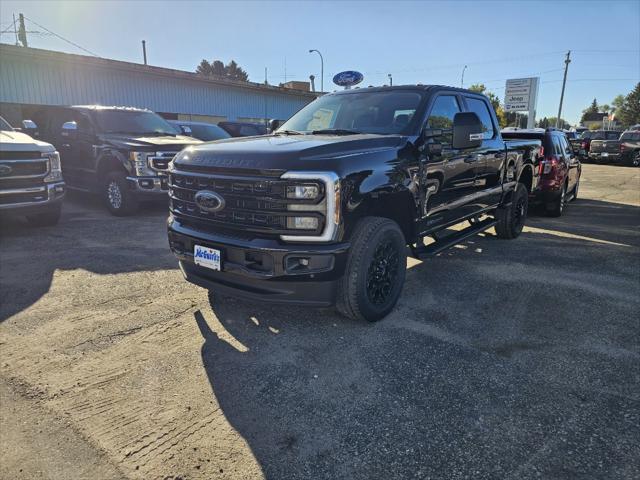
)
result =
(629, 112)
(551, 122)
(617, 103)
(495, 101)
(218, 69)
(593, 108)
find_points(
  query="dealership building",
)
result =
(31, 77)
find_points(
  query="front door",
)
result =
(450, 175)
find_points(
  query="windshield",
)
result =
(134, 122)
(4, 125)
(208, 133)
(379, 112)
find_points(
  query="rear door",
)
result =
(489, 157)
(451, 175)
(573, 165)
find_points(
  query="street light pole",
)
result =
(321, 68)
(390, 80)
(462, 79)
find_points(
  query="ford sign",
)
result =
(348, 78)
(5, 170)
(209, 201)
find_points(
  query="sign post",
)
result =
(521, 95)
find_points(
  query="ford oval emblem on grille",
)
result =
(209, 201)
(5, 170)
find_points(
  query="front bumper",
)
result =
(41, 197)
(152, 187)
(262, 270)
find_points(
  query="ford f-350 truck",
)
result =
(30, 177)
(321, 211)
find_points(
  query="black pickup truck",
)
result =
(119, 152)
(321, 211)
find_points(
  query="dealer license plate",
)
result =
(206, 257)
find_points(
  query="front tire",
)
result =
(118, 197)
(635, 160)
(511, 219)
(47, 218)
(375, 270)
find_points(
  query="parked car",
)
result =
(630, 147)
(121, 153)
(31, 181)
(207, 132)
(560, 169)
(605, 147)
(587, 137)
(321, 211)
(243, 129)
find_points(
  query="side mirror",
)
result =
(70, 130)
(274, 124)
(467, 131)
(30, 127)
(186, 130)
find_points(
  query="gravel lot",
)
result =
(504, 359)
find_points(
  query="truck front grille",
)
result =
(22, 165)
(160, 160)
(252, 204)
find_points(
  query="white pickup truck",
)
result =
(31, 181)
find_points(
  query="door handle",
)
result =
(471, 158)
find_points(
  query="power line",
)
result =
(62, 38)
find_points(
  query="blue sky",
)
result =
(417, 42)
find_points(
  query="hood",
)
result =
(131, 142)
(18, 141)
(282, 151)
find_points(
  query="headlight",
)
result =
(55, 170)
(303, 192)
(141, 164)
(308, 186)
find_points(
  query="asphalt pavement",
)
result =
(503, 359)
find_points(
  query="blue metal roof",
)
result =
(43, 77)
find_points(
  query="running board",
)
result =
(453, 239)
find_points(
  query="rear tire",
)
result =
(375, 270)
(511, 219)
(118, 197)
(555, 208)
(47, 218)
(635, 160)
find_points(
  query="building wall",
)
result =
(41, 77)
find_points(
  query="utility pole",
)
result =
(144, 51)
(22, 32)
(462, 79)
(15, 29)
(567, 61)
(390, 80)
(265, 76)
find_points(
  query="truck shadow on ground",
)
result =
(86, 238)
(488, 364)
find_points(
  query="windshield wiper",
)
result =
(287, 132)
(334, 131)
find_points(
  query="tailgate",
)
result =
(608, 146)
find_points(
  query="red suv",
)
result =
(559, 169)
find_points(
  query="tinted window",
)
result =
(613, 135)
(444, 109)
(480, 108)
(586, 134)
(565, 145)
(248, 130)
(557, 147)
(134, 122)
(629, 136)
(207, 133)
(4, 125)
(382, 112)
